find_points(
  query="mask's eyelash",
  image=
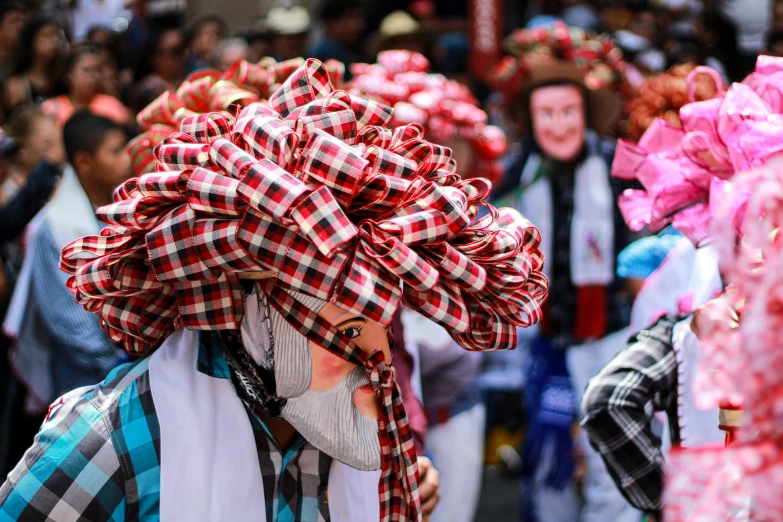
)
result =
(357, 327)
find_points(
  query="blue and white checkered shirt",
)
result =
(98, 458)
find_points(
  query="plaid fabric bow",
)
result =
(314, 191)
(207, 90)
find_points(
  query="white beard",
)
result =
(332, 423)
(327, 419)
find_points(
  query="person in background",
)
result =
(30, 198)
(399, 30)
(343, 29)
(86, 14)
(99, 36)
(752, 20)
(257, 44)
(229, 52)
(163, 62)
(202, 38)
(639, 260)
(289, 26)
(83, 83)
(38, 64)
(116, 73)
(59, 346)
(35, 133)
(111, 83)
(717, 38)
(31, 157)
(12, 17)
(561, 182)
(654, 374)
(637, 264)
(455, 416)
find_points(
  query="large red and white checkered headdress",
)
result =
(312, 192)
(314, 187)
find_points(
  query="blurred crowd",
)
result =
(59, 58)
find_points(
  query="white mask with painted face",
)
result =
(559, 126)
(320, 406)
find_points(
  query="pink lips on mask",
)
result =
(364, 400)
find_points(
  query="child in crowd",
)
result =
(35, 134)
(60, 346)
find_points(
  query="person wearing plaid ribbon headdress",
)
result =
(256, 272)
(572, 85)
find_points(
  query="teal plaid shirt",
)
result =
(98, 458)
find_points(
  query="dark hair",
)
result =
(330, 10)
(144, 66)
(86, 132)
(21, 121)
(26, 40)
(10, 7)
(77, 53)
(93, 30)
(201, 21)
(686, 47)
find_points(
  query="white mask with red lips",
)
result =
(327, 418)
(558, 116)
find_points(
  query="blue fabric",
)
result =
(100, 455)
(550, 410)
(81, 351)
(642, 257)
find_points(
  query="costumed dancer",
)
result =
(455, 412)
(687, 174)
(572, 84)
(241, 84)
(256, 272)
(740, 334)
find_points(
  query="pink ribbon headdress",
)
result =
(740, 363)
(684, 169)
(313, 192)
(445, 108)
(740, 356)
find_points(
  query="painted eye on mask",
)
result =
(352, 332)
